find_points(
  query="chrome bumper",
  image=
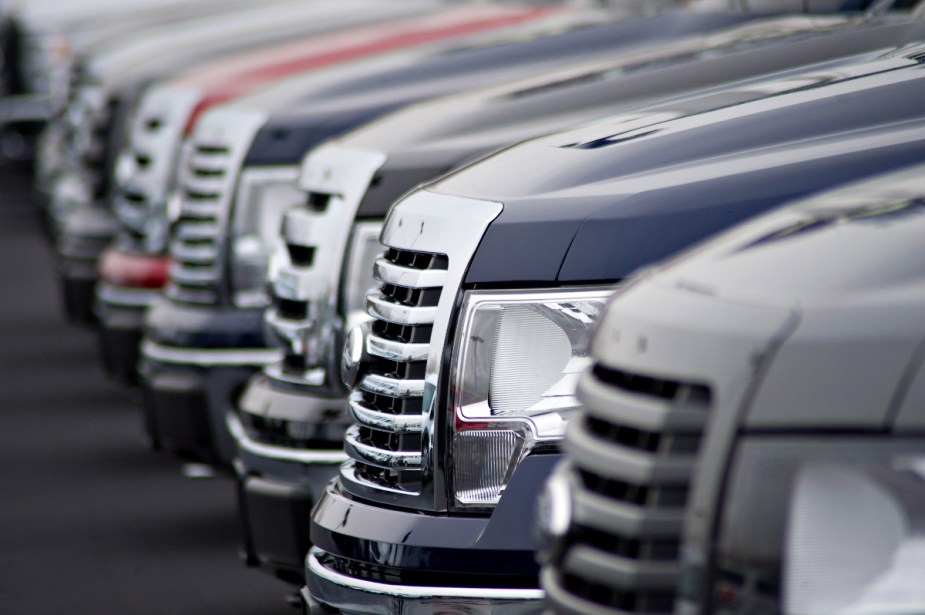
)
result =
(352, 595)
(279, 453)
(209, 357)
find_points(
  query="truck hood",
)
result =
(157, 51)
(847, 262)
(372, 87)
(427, 139)
(604, 199)
(500, 113)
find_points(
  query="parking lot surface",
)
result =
(91, 520)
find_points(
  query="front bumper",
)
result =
(23, 117)
(279, 485)
(375, 560)
(188, 393)
(328, 587)
(121, 313)
(85, 235)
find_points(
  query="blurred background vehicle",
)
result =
(134, 269)
(289, 420)
(775, 411)
(464, 379)
(215, 176)
(212, 315)
(79, 169)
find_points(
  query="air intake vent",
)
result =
(387, 409)
(310, 435)
(632, 453)
(195, 273)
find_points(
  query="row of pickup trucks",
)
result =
(504, 307)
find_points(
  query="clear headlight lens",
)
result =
(263, 198)
(856, 539)
(518, 355)
(324, 337)
(822, 525)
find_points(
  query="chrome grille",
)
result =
(133, 202)
(195, 270)
(290, 317)
(631, 457)
(387, 408)
(323, 256)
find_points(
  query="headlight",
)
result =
(856, 539)
(358, 277)
(326, 333)
(822, 525)
(263, 198)
(517, 359)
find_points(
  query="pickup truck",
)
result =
(493, 279)
(289, 420)
(77, 167)
(753, 421)
(134, 268)
(205, 337)
(40, 38)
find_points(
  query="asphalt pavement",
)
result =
(91, 520)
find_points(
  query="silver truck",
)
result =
(753, 420)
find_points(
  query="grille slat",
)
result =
(632, 454)
(195, 275)
(387, 409)
(192, 252)
(192, 230)
(383, 309)
(362, 450)
(365, 414)
(390, 273)
(202, 211)
(396, 351)
(191, 275)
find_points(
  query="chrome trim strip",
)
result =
(291, 281)
(415, 592)
(391, 460)
(184, 275)
(286, 328)
(313, 457)
(396, 351)
(397, 313)
(125, 296)
(184, 294)
(203, 208)
(211, 163)
(206, 357)
(311, 377)
(390, 273)
(396, 423)
(393, 387)
(197, 231)
(204, 185)
(348, 470)
(201, 253)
